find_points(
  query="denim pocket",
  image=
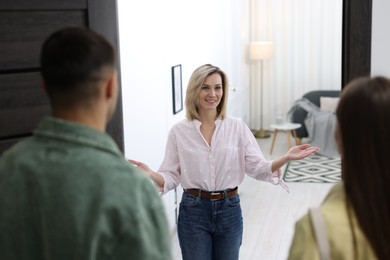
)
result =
(233, 201)
(188, 200)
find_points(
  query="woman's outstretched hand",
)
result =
(296, 153)
(301, 151)
(143, 167)
(157, 178)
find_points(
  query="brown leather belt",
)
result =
(212, 195)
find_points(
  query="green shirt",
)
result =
(68, 193)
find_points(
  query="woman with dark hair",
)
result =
(208, 154)
(356, 212)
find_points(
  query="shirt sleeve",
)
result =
(256, 165)
(170, 167)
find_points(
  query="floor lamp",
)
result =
(260, 51)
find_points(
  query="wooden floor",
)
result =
(269, 212)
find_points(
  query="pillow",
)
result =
(329, 103)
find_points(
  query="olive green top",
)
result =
(68, 193)
(339, 233)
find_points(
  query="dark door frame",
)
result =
(102, 18)
(356, 39)
(99, 15)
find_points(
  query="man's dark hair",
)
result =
(73, 61)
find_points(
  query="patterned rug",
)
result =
(315, 168)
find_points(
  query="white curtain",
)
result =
(307, 35)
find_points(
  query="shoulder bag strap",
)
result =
(320, 233)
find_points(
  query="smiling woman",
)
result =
(147, 86)
(206, 80)
(209, 154)
(211, 92)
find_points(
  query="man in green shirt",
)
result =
(67, 192)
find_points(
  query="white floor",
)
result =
(270, 212)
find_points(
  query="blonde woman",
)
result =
(209, 154)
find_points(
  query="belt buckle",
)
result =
(216, 193)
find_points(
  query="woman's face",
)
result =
(210, 93)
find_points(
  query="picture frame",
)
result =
(177, 89)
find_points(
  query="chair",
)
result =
(298, 115)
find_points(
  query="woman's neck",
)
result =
(207, 117)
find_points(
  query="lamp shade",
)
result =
(261, 50)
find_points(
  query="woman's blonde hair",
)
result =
(195, 83)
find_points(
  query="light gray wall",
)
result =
(380, 52)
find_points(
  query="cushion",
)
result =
(329, 103)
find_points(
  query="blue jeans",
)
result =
(210, 230)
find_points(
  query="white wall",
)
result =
(307, 36)
(155, 35)
(380, 54)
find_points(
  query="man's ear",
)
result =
(110, 86)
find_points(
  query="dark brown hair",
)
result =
(73, 62)
(363, 117)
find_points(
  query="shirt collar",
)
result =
(59, 129)
(197, 123)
